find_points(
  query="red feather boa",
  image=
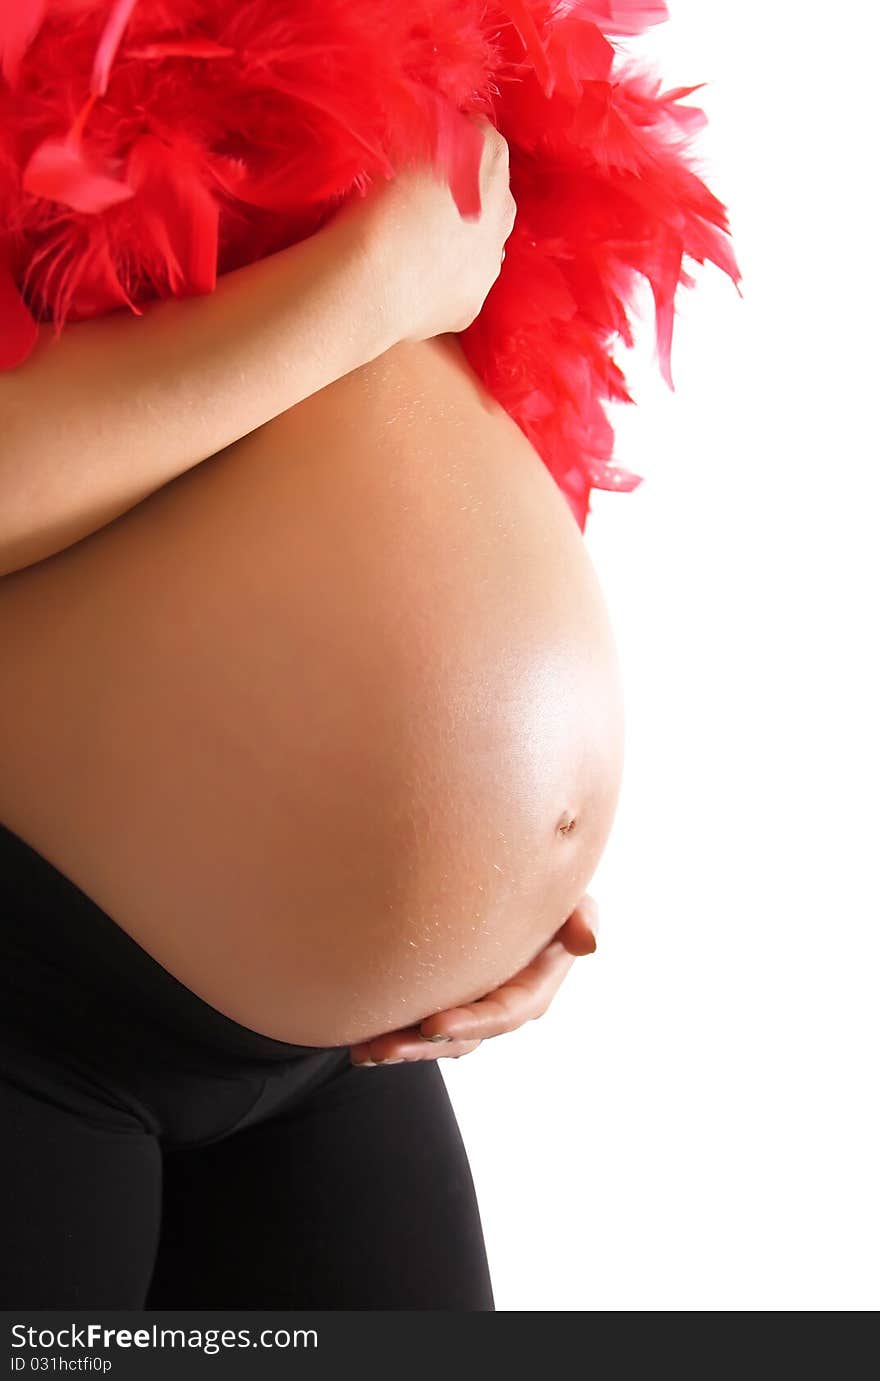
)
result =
(148, 146)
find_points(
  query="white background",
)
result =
(692, 1125)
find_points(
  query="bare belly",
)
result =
(330, 724)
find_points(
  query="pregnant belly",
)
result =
(330, 724)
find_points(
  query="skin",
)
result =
(352, 680)
(526, 996)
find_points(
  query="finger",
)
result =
(525, 996)
(413, 1051)
(579, 932)
(385, 1047)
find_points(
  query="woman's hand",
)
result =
(433, 267)
(522, 998)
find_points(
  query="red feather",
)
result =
(149, 146)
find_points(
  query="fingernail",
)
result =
(434, 1038)
(363, 1064)
(400, 1061)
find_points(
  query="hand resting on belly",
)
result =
(331, 724)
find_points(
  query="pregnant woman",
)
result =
(328, 725)
(310, 721)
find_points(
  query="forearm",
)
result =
(93, 422)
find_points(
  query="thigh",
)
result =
(359, 1198)
(79, 1204)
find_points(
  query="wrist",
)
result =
(362, 253)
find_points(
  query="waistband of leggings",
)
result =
(54, 938)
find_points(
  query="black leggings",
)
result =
(155, 1154)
